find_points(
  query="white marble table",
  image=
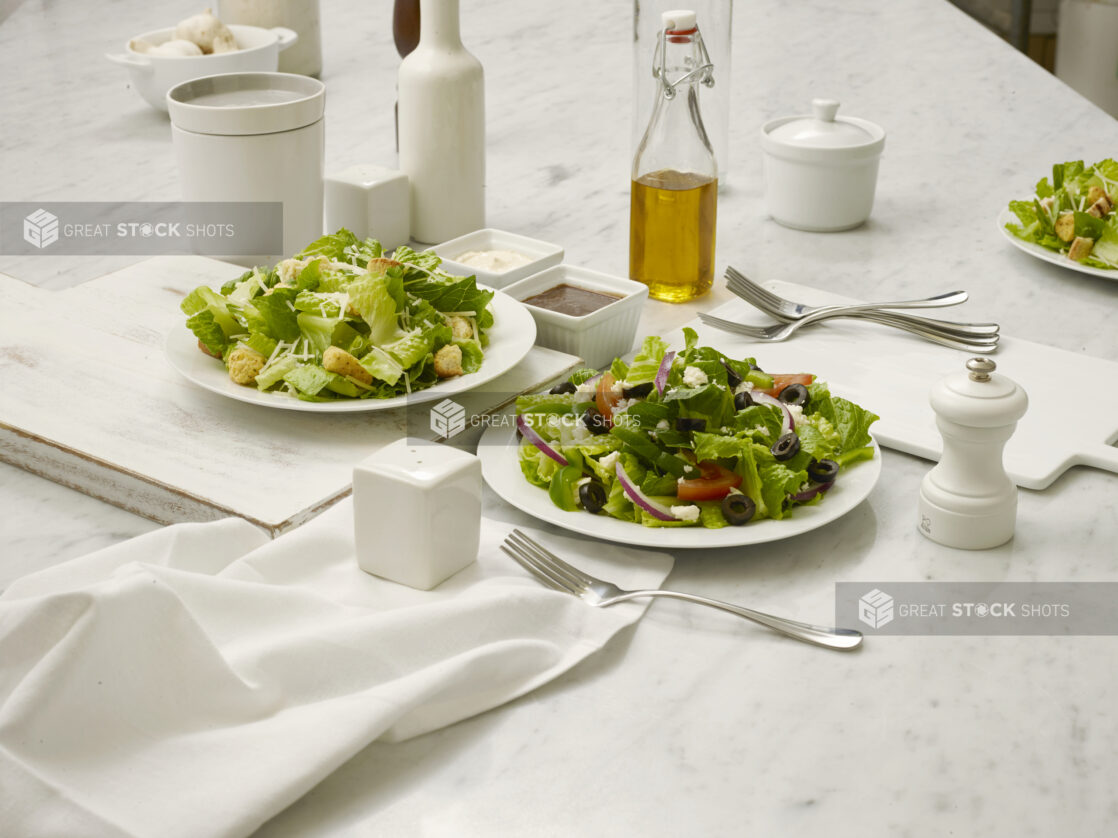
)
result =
(693, 723)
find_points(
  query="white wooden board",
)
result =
(88, 399)
(1073, 399)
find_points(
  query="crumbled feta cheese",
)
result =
(797, 413)
(609, 461)
(690, 512)
(617, 388)
(744, 387)
(587, 386)
(694, 377)
(580, 433)
(622, 406)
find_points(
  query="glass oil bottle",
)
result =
(674, 198)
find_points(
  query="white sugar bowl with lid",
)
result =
(821, 170)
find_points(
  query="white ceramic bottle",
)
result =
(967, 500)
(442, 128)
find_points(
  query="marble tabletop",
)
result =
(693, 723)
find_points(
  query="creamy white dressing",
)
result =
(496, 261)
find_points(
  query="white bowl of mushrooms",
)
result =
(199, 46)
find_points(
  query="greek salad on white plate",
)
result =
(684, 449)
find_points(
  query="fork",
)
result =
(782, 331)
(788, 310)
(558, 574)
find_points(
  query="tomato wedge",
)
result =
(782, 380)
(715, 483)
(606, 397)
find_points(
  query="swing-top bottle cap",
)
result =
(678, 20)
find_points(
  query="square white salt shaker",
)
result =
(370, 201)
(417, 512)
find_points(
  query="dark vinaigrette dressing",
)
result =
(570, 299)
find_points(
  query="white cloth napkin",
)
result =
(197, 680)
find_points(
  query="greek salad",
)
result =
(1073, 213)
(341, 321)
(689, 438)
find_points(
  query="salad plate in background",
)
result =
(1007, 217)
(1070, 220)
(340, 328)
(684, 449)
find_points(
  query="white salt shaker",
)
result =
(968, 500)
(417, 512)
(370, 201)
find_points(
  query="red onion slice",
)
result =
(656, 510)
(538, 441)
(661, 380)
(808, 494)
(787, 423)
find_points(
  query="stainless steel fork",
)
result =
(789, 310)
(558, 574)
(783, 331)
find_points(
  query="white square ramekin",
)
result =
(597, 337)
(540, 253)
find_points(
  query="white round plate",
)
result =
(501, 469)
(1061, 259)
(513, 334)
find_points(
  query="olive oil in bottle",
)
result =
(673, 203)
(671, 234)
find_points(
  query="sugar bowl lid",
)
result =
(823, 133)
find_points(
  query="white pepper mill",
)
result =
(967, 500)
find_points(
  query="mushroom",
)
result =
(174, 47)
(203, 29)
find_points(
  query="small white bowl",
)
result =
(542, 255)
(821, 170)
(597, 337)
(154, 75)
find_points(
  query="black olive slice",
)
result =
(743, 400)
(686, 423)
(561, 389)
(637, 391)
(794, 394)
(823, 471)
(738, 509)
(593, 420)
(593, 497)
(786, 447)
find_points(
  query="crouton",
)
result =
(206, 349)
(1081, 248)
(244, 365)
(1094, 193)
(448, 361)
(381, 265)
(461, 329)
(1065, 227)
(1100, 208)
(341, 362)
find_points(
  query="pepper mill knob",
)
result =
(968, 500)
(980, 368)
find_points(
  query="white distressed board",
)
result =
(892, 372)
(87, 399)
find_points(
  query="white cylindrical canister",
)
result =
(254, 137)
